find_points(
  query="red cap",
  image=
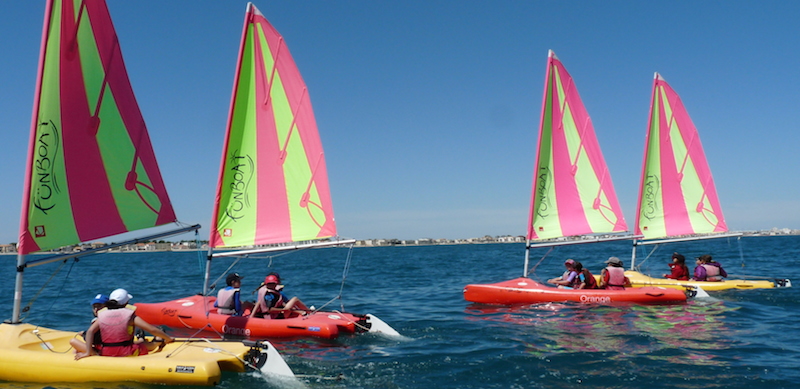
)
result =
(271, 279)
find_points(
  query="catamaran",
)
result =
(572, 196)
(677, 197)
(91, 174)
(272, 192)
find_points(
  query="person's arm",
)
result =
(674, 272)
(139, 322)
(237, 303)
(582, 283)
(89, 342)
(700, 273)
(603, 278)
(722, 272)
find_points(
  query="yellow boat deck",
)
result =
(36, 354)
(639, 280)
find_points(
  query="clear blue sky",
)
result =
(429, 110)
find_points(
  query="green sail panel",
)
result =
(92, 172)
(273, 182)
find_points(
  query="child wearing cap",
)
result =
(273, 303)
(98, 303)
(567, 280)
(678, 268)
(229, 299)
(116, 324)
(613, 276)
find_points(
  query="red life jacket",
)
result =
(614, 278)
(589, 280)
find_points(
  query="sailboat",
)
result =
(677, 197)
(572, 196)
(272, 192)
(91, 174)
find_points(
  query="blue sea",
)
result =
(735, 339)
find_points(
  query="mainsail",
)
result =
(91, 169)
(572, 189)
(677, 194)
(273, 183)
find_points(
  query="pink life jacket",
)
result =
(116, 331)
(712, 273)
(279, 303)
(616, 278)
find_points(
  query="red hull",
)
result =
(526, 291)
(198, 312)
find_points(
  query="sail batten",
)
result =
(677, 195)
(92, 172)
(572, 189)
(273, 182)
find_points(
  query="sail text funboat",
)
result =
(272, 193)
(677, 197)
(92, 174)
(572, 196)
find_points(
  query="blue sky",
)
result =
(429, 110)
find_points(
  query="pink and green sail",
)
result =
(273, 183)
(92, 172)
(677, 194)
(572, 189)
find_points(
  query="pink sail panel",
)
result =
(572, 190)
(92, 172)
(677, 194)
(273, 185)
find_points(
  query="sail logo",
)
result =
(650, 193)
(543, 183)
(43, 181)
(241, 169)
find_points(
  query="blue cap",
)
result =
(100, 299)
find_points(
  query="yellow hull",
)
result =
(640, 280)
(48, 358)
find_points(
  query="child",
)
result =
(679, 269)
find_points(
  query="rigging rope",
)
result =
(540, 260)
(27, 307)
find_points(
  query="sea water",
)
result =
(735, 339)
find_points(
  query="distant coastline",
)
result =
(11, 249)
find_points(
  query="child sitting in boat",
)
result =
(98, 303)
(613, 276)
(228, 299)
(585, 279)
(567, 280)
(678, 267)
(708, 270)
(117, 324)
(273, 303)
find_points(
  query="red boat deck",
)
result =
(526, 291)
